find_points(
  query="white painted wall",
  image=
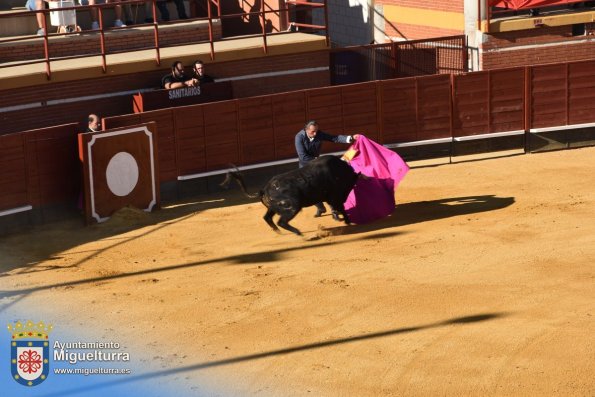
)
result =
(474, 35)
(350, 21)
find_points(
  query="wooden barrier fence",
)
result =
(40, 167)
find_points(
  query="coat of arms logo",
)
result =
(29, 352)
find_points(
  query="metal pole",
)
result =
(102, 40)
(328, 40)
(156, 31)
(264, 30)
(46, 46)
(210, 15)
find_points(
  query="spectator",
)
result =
(94, 13)
(162, 6)
(33, 5)
(308, 143)
(177, 78)
(93, 123)
(199, 73)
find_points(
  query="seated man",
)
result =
(94, 13)
(33, 5)
(199, 73)
(177, 78)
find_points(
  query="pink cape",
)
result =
(374, 198)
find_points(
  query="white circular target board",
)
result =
(122, 174)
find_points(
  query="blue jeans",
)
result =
(31, 5)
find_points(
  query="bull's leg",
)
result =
(335, 215)
(340, 209)
(286, 216)
(319, 210)
(268, 217)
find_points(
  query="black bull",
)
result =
(327, 179)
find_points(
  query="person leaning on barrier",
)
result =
(177, 78)
(308, 143)
(198, 67)
(93, 123)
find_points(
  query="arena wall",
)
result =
(532, 108)
(56, 103)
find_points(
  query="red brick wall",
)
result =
(528, 47)
(38, 117)
(529, 37)
(115, 41)
(416, 32)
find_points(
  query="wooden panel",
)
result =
(190, 140)
(13, 174)
(166, 141)
(581, 92)
(433, 101)
(163, 99)
(221, 134)
(325, 106)
(360, 109)
(398, 103)
(471, 104)
(257, 141)
(507, 99)
(53, 167)
(120, 168)
(289, 117)
(120, 121)
(548, 96)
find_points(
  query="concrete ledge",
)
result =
(145, 60)
(524, 23)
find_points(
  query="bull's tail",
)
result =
(235, 174)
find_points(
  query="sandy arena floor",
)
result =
(482, 283)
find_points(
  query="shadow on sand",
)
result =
(424, 211)
(457, 321)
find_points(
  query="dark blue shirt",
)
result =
(308, 150)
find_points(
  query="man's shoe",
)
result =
(95, 25)
(41, 32)
(319, 212)
(119, 24)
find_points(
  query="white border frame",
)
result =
(96, 137)
(561, 128)
(16, 210)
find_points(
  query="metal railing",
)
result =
(439, 55)
(155, 45)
